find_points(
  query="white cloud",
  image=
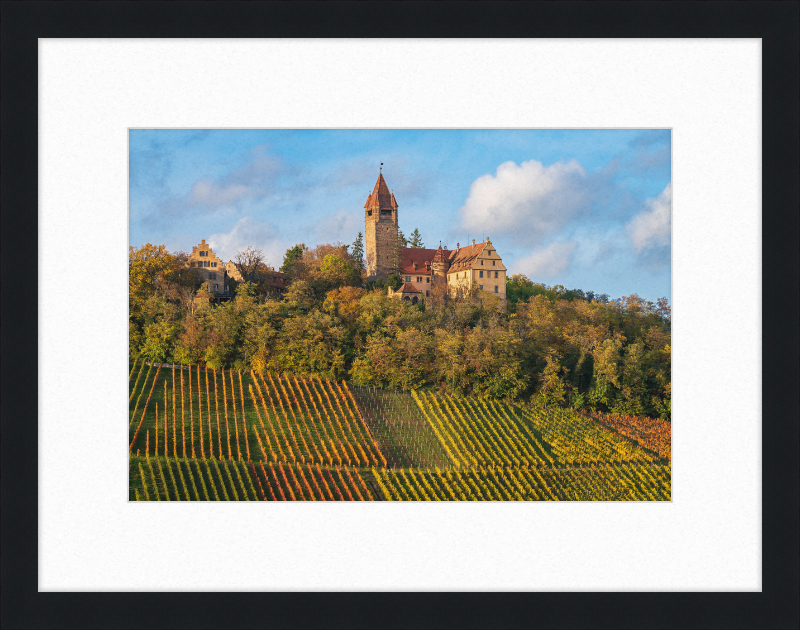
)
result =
(249, 232)
(530, 201)
(652, 226)
(211, 194)
(252, 180)
(343, 226)
(547, 262)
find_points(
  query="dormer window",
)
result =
(415, 266)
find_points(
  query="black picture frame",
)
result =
(776, 23)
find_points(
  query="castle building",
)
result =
(273, 281)
(477, 266)
(211, 268)
(216, 273)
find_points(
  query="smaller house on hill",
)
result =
(211, 269)
(273, 282)
(408, 292)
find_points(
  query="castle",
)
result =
(215, 274)
(462, 270)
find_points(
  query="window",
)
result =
(481, 261)
(415, 266)
(213, 264)
(493, 263)
(427, 293)
(481, 272)
(480, 286)
(427, 267)
(408, 278)
(216, 286)
(496, 274)
(419, 279)
(201, 253)
(428, 279)
(496, 289)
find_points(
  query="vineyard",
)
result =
(197, 434)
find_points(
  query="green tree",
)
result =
(358, 252)
(416, 240)
(336, 271)
(291, 260)
(394, 281)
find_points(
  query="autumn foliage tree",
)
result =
(555, 346)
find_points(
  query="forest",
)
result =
(551, 345)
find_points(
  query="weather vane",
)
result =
(381, 169)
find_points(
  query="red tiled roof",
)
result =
(422, 257)
(464, 256)
(408, 288)
(381, 196)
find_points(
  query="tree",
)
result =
(416, 240)
(402, 241)
(394, 281)
(358, 252)
(292, 259)
(248, 261)
(152, 265)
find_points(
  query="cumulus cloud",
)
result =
(252, 180)
(651, 228)
(249, 232)
(530, 201)
(343, 226)
(546, 263)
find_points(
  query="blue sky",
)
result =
(588, 209)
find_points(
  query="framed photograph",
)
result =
(710, 542)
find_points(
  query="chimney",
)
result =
(473, 241)
(203, 241)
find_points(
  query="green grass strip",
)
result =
(249, 482)
(163, 478)
(144, 482)
(219, 478)
(174, 483)
(230, 478)
(130, 376)
(183, 482)
(153, 479)
(136, 383)
(202, 481)
(144, 387)
(238, 469)
(210, 477)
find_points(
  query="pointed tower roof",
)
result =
(381, 196)
(439, 257)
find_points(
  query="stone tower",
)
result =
(380, 223)
(439, 266)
